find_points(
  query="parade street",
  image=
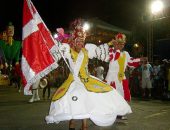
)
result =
(17, 114)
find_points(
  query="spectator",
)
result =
(146, 71)
(156, 79)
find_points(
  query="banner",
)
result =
(38, 43)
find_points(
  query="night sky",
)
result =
(55, 13)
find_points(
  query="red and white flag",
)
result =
(37, 59)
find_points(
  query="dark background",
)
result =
(127, 14)
(55, 13)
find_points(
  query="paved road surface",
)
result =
(17, 114)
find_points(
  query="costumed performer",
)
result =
(83, 96)
(11, 48)
(116, 72)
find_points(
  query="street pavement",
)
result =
(17, 114)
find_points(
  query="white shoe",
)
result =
(124, 118)
(37, 99)
(31, 100)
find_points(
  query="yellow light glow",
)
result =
(156, 6)
(136, 45)
(86, 26)
(55, 35)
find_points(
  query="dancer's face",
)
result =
(119, 46)
(79, 44)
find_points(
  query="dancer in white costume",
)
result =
(83, 96)
(116, 72)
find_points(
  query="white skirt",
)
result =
(78, 103)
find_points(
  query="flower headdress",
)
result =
(77, 29)
(120, 38)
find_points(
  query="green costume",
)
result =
(11, 52)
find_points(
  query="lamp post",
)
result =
(156, 7)
(150, 42)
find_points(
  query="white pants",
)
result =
(146, 83)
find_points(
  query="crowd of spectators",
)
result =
(158, 73)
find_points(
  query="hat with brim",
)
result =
(43, 83)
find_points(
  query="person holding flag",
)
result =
(76, 97)
(81, 96)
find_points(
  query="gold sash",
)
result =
(121, 62)
(90, 83)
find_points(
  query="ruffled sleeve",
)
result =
(61, 50)
(100, 52)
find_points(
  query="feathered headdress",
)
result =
(77, 29)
